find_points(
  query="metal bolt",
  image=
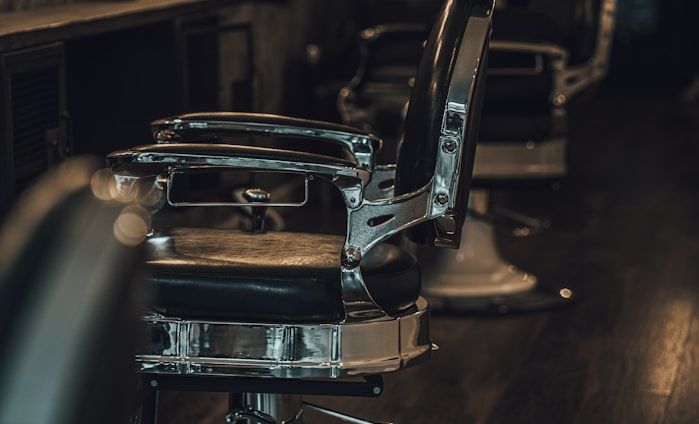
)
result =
(154, 383)
(256, 195)
(559, 99)
(166, 136)
(441, 199)
(351, 257)
(368, 33)
(449, 145)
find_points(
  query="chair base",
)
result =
(475, 278)
(260, 400)
(277, 409)
(535, 299)
(521, 160)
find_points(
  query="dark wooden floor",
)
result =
(625, 236)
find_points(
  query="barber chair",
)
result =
(70, 293)
(376, 98)
(270, 316)
(525, 139)
(545, 55)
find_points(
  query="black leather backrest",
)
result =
(576, 20)
(373, 12)
(423, 124)
(418, 151)
(395, 45)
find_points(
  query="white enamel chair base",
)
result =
(475, 277)
(476, 269)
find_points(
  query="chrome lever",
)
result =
(259, 199)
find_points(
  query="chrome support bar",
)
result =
(339, 415)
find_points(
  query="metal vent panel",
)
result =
(33, 103)
(35, 109)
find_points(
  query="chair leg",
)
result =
(339, 415)
(256, 408)
(524, 225)
(265, 408)
(475, 278)
(147, 412)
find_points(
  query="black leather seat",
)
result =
(296, 280)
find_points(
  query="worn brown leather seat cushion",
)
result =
(272, 277)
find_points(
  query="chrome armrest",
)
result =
(569, 80)
(558, 56)
(159, 163)
(175, 129)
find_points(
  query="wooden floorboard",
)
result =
(625, 236)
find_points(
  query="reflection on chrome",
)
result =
(175, 346)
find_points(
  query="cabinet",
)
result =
(33, 119)
(86, 78)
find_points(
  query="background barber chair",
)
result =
(548, 52)
(269, 315)
(70, 300)
(545, 54)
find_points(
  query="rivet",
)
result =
(441, 199)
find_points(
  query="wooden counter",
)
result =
(53, 23)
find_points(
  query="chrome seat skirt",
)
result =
(353, 348)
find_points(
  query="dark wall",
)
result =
(656, 45)
(117, 83)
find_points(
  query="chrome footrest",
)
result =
(359, 347)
